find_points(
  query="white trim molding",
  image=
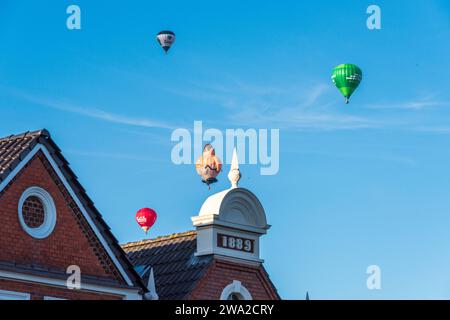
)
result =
(236, 287)
(127, 293)
(21, 165)
(53, 298)
(11, 295)
(44, 230)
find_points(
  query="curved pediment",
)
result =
(236, 206)
(241, 206)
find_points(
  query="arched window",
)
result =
(235, 291)
(235, 296)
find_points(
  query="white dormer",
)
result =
(231, 222)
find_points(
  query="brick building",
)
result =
(51, 232)
(48, 223)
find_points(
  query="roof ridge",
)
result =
(42, 132)
(160, 239)
(14, 150)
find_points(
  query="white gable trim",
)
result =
(12, 295)
(40, 147)
(128, 294)
(19, 167)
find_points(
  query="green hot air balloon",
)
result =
(347, 77)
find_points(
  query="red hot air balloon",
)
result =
(146, 218)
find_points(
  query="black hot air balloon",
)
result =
(166, 39)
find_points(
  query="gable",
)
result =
(72, 242)
(14, 149)
(176, 268)
(180, 274)
(34, 155)
(222, 273)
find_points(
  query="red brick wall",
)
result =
(72, 241)
(222, 273)
(38, 291)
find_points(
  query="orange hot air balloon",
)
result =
(208, 166)
(146, 218)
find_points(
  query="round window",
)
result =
(37, 212)
(33, 212)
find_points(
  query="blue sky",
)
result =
(359, 184)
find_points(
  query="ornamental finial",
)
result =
(234, 175)
(151, 294)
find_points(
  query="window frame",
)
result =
(13, 295)
(46, 229)
(235, 287)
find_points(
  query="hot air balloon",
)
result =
(166, 39)
(146, 218)
(208, 166)
(347, 77)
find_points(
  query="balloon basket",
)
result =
(209, 181)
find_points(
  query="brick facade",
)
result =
(38, 266)
(72, 242)
(33, 212)
(40, 291)
(222, 273)
(182, 275)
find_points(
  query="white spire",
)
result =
(151, 286)
(234, 175)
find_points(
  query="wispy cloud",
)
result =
(417, 104)
(293, 106)
(237, 94)
(315, 94)
(309, 108)
(95, 113)
(301, 119)
(114, 155)
(397, 159)
(97, 154)
(434, 129)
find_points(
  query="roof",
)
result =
(176, 268)
(14, 148)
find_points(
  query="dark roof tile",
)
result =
(176, 268)
(15, 148)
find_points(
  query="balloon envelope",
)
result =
(146, 218)
(347, 77)
(208, 166)
(166, 39)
